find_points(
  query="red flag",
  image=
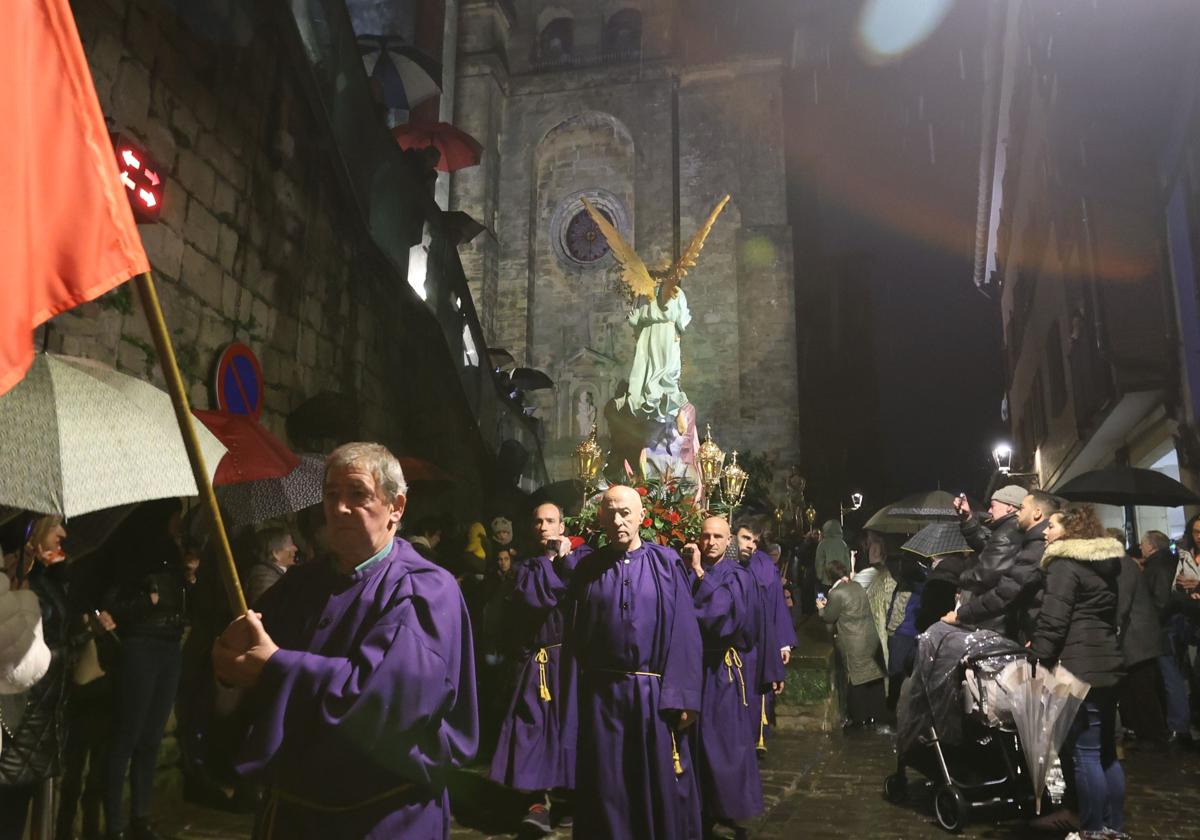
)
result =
(67, 234)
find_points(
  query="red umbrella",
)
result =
(458, 149)
(254, 453)
(417, 469)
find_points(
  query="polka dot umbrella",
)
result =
(251, 502)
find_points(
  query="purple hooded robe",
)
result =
(536, 749)
(368, 703)
(776, 632)
(727, 607)
(637, 644)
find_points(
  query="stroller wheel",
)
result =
(951, 808)
(895, 788)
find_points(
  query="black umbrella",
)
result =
(933, 505)
(1127, 486)
(936, 539)
(530, 379)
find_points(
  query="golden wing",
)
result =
(691, 253)
(634, 272)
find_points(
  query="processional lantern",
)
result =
(142, 177)
(733, 483)
(711, 460)
(588, 460)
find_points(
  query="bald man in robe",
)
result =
(727, 608)
(636, 643)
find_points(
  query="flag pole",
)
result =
(183, 414)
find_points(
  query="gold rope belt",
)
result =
(734, 661)
(278, 795)
(674, 744)
(542, 658)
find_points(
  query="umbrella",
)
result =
(249, 502)
(418, 469)
(77, 436)
(529, 379)
(254, 453)
(886, 523)
(934, 505)
(465, 227)
(1043, 704)
(1127, 486)
(458, 149)
(936, 539)
(401, 76)
(501, 359)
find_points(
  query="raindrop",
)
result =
(932, 150)
(920, 106)
(962, 66)
(816, 89)
(795, 47)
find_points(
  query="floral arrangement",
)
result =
(671, 514)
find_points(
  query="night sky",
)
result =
(870, 189)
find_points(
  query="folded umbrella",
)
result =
(250, 502)
(254, 453)
(1127, 486)
(458, 149)
(77, 436)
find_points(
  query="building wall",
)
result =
(258, 241)
(553, 132)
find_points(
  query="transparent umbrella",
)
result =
(1043, 703)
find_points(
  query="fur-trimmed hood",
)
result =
(1085, 551)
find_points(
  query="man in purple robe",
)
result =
(636, 642)
(536, 750)
(777, 634)
(361, 674)
(727, 600)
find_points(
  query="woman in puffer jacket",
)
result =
(1078, 628)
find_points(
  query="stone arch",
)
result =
(622, 32)
(556, 36)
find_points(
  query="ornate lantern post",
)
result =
(733, 483)
(588, 459)
(711, 459)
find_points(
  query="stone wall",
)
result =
(259, 241)
(611, 126)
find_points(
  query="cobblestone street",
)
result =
(816, 786)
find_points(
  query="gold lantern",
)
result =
(711, 460)
(733, 483)
(588, 460)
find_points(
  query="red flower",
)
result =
(576, 542)
(647, 522)
(673, 517)
(643, 491)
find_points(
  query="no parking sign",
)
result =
(239, 382)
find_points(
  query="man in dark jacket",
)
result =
(1159, 577)
(1006, 581)
(1141, 646)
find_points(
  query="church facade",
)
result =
(609, 101)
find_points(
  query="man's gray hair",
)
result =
(1159, 540)
(376, 459)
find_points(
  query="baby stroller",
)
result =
(950, 732)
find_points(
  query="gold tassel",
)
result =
(543, 657)
(675, 755)
(762, 723)
(733, 660)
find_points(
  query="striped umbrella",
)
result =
(401, 76)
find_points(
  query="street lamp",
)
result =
(1002, 454)
(711, 460)
(856, 501)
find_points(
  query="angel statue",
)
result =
(659, 317)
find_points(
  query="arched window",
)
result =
(623, 33)
(556, 42)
